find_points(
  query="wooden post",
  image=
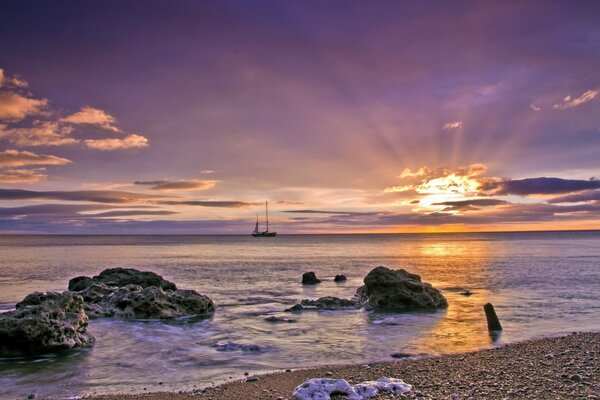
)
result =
(493, 322)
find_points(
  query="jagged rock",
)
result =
(119, 277)
(329, 303)
(324, 388)
(44, 322)
(129, 293)
(398, 289)
(340, 278)
(310, 278)
(134, 301)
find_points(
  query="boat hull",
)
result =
(264, 234)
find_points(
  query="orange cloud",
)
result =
(93, 116)
(15, 107)
(22, 175)
(131, 141)
(569, 102)
(41, 133)
(183, 184)
(15, 158)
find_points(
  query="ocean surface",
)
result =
(540, 283)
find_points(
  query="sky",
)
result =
(347, 116)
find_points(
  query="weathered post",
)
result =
(493, 322)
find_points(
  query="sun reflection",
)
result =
(456, 266)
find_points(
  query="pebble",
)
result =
(252, 379)
(575, 378)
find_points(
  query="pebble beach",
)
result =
(566, 367)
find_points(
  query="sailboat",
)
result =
(256, 232)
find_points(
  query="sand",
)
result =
(565, 367)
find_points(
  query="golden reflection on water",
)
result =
(456, 266)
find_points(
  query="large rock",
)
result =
(129, 293)
(120, 277)
(44, 322)
(398, 289)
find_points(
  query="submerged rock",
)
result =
(120, 277)
(340, 278)
(329, 303)
(246, 348)
(310, 278)
(324, 388)
(294, 308)
(44, 322)
(276, 319)
(324, 303)
(398, 289)
(114, 293)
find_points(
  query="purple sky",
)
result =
(183, 116)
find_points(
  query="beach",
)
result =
(566, 367)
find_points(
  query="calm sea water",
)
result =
(541, 284)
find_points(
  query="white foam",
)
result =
(323, 388)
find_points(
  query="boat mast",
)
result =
(267, 209)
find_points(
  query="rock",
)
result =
(119, 277)
(324, 388)
(294, 308)
(466, 293)
(575, 378)
(329, 303)
(310, 278)
(134, 301)
(252, 379)
(400, 355)
(340, 278)
(276, 319)
(44, 322)
(129, 293)
(79, 283)
(398, 289)
(246, 348)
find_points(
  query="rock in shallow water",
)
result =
(120, 277)
(398, 289)
(310, 278)
(340, 278)
(114, 293)
(44, 322)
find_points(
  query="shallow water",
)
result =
(540, 284)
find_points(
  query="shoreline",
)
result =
(563, 367)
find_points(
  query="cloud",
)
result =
(42, 133)
(93, 116)
(15, 158)
(469, 205)
(15, 107)
(542, 185)
(131, 141)
(184, 184)
(534, 107)
(588, 195)
(451, 125)
(208, 203)
(331, 212)
(22, 175)
(94, 196)
(569, 102)
(14, 81)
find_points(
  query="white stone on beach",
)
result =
(323, 388)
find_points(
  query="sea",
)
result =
(541, 284)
